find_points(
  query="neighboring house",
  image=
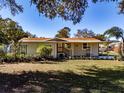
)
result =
(115, 47)
(102, 48)
(68, 47)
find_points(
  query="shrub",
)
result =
(2, 53)
(44, 51)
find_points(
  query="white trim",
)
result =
(72, 49)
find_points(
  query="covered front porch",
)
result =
(75, 47)
(76, 50)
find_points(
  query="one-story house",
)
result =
(68, 47)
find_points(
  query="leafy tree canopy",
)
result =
(72, 10)
(12, 31)
(85, 33)
(2, 38)
(115, 32)
(63, 33)
(12, 5)
(30, 35)
(101, 37)
(118, 33)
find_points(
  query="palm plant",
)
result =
(118, 33)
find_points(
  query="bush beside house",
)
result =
(44, 51)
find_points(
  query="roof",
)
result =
(82, 39)
(34, 39)
(60, 40)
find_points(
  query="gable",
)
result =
(56, 40)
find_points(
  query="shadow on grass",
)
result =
(95, 80)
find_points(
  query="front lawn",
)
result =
(74, 76)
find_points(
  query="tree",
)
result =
(63, 33)
(3, 39)
(12, 5)
(118, 33)
(101, 37)
(30, 35)
(15, 33)
(85, 33)
(72, 10)
(12, 33)
(121, 6)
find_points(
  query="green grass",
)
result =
(74, 76)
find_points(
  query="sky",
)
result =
(98, 18)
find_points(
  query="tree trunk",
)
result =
(122, 47)
(14, 50)
(15, 47)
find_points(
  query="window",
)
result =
(85, 46)
(67, 46)
(60, 47)
(23, 49)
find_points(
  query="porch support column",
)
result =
(55, 50)
(91, 49)
(72, 49)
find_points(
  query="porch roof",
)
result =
(71, 40)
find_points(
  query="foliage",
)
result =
(101, 37)
(12, 33)
(85, 33)
(12, 5)
(63, 33)
(72, 10)
(30, 35)
(9, 58)
(44, 50)
(121, 6)
(2, 37)
(66, 9)
(2, 53)
(117, 33)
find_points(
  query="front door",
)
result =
(60, 50)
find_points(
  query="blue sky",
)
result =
(98, 17)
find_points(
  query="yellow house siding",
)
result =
(79, 51)
(32, 48)
(94, 49)
(76, 48)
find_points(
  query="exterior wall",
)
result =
(94, 49)
(78, 49)
(32, 48)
